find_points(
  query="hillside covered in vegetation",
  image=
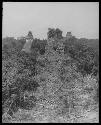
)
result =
(58, 81)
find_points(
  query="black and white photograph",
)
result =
(50, 62)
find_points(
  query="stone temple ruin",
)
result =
(55, 40)
(68, 35)
(29, 40)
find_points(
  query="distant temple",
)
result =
(29, 40)
(68, 35)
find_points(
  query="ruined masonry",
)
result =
(29, 40)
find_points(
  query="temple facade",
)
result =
(68, 35)
(29, 40)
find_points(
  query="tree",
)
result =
(54, 33)
(58, 33)
(83, 55)
(51, 33)
(17, 74)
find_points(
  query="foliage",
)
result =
(38, 46)
(85, 56)
(18, 69)
(70, 84)
(11, 47)
(54, 33)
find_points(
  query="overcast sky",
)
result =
(81, 18)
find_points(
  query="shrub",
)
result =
(85, 56)
(16, 80)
